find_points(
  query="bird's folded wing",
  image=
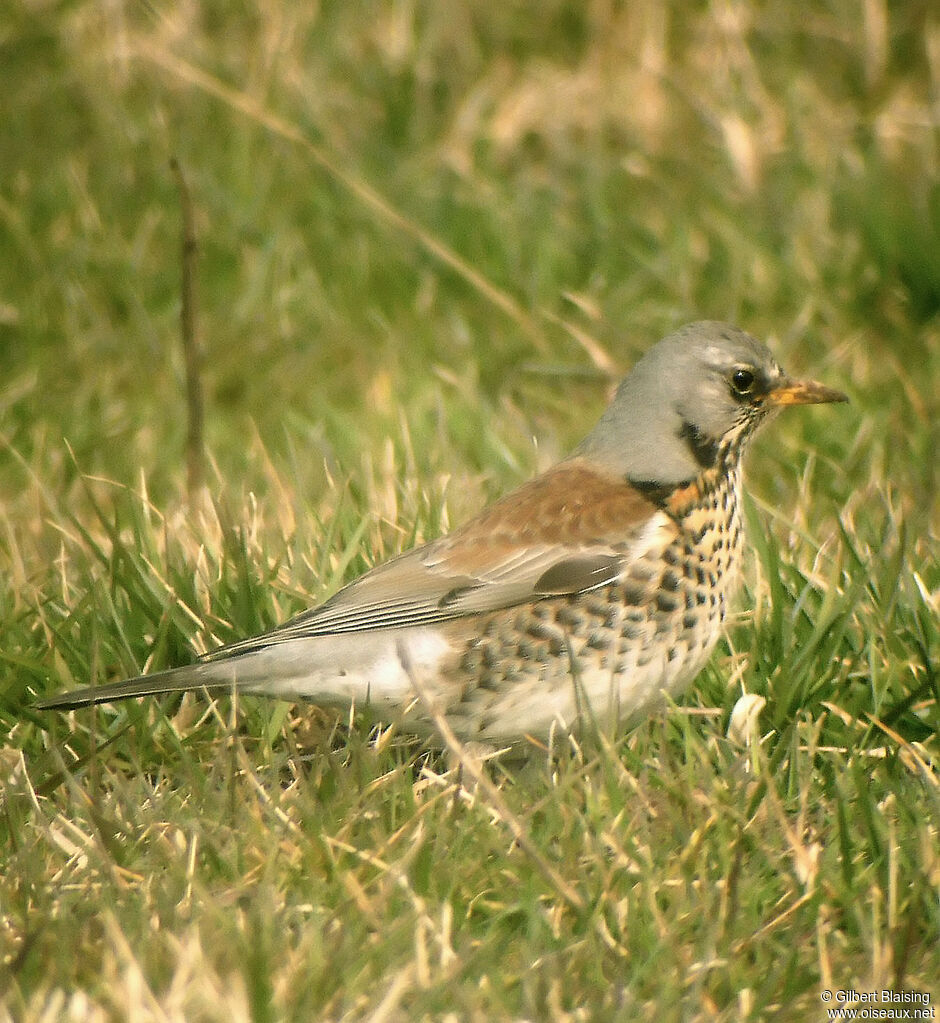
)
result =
(409, 591)
(563, 533)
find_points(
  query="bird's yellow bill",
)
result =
(804, 392)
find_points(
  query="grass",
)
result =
(551, 194)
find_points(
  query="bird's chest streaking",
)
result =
(612, 652)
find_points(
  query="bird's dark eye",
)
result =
(742, 380)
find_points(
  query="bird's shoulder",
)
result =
(572, 503)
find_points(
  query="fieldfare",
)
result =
(595, 588)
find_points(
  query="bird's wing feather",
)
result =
(567, 531)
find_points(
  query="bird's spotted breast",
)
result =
(619, 646)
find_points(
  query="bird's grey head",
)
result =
(699, 390)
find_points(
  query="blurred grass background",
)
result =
(555, 187)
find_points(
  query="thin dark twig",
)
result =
(195, 408)
(363, 192)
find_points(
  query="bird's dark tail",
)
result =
(176, 680)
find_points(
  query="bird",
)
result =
(596, 590)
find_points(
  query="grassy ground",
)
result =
(554, 189)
